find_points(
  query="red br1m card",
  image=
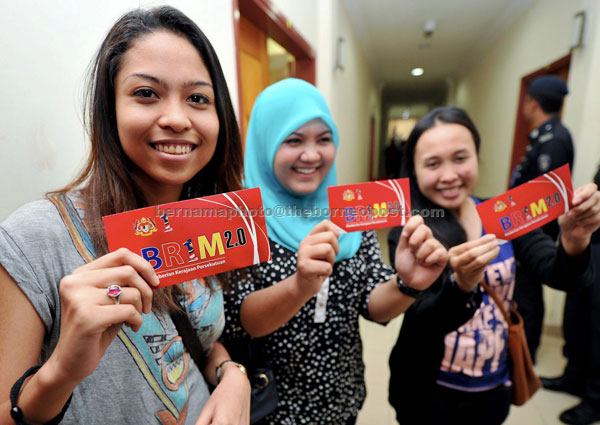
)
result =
(372, 205)
(528, 206)
(195, 238)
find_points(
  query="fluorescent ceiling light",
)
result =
(416, 72)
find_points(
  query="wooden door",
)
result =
(253, 20)
(254, 67)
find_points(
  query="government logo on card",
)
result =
(499, 206)
(144, 226)
(348, 195)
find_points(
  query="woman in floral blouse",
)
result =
(307, 300)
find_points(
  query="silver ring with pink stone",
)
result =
(114, 292)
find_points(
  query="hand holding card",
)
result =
(470, 259)
(372, 205)
(528, 206)
(194, 238)
(316, 257)
(582, 220)
(419, 257)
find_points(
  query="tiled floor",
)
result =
(542, 409)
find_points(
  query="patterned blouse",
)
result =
(317, 361)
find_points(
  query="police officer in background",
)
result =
(551, 146)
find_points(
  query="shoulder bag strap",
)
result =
(499, 303)
(75, 225)
(190, 338)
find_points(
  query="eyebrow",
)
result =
(164, 84)
(302, 135)
(428, 158)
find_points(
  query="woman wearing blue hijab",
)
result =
(307, 300)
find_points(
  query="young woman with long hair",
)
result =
(162, 129)
(450, 363)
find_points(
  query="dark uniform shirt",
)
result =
(551, 146)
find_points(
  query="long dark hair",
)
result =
(106, 180)
(445, 227)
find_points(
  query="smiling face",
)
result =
(304, 158)
(166, 116)
(446, 165)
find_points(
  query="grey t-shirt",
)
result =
(145, 377)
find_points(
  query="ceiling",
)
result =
(392, 37)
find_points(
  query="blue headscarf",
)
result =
(278, 111)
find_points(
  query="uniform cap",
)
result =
(548, 85)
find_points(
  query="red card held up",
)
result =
(528, 206)
(195, 238)
(372, 205)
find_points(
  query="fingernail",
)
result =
(155, 279)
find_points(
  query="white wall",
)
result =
(303, 15)
(582, 110)
(46, 48)
(354, 99)
(490, 90)
(490, 93)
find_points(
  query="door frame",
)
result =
(274, 24)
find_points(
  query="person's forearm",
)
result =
(217, 355)
(266, 310)
(42, 397)
(573, 246)
(229, 371)
(387, 302)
